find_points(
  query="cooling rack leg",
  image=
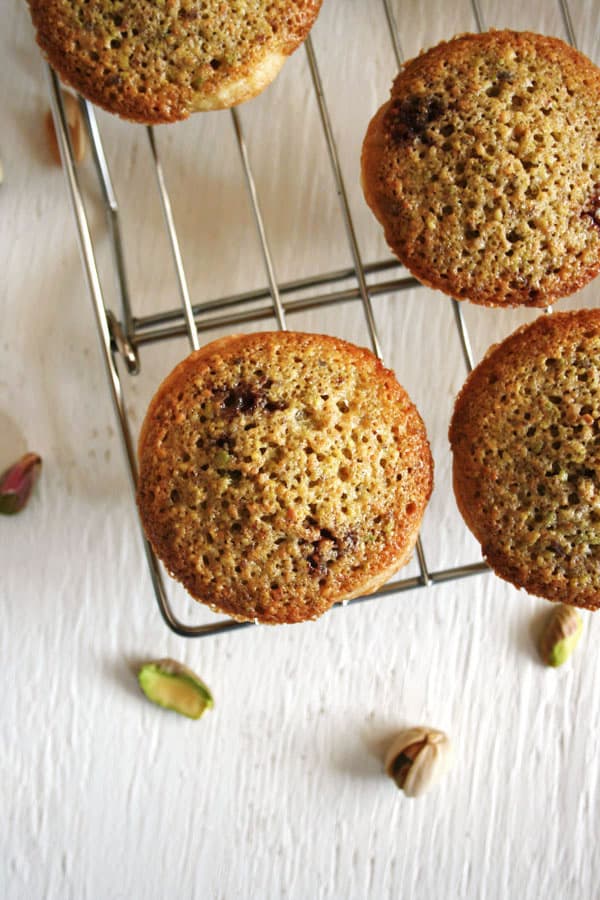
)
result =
(88, 259)
(165, 201)
(343, 196)
(258, 219)
(566, 14)
(479, 18)
(126, 346)
(393, 30)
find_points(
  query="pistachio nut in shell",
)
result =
(17, 483)
(417, 759)
(561, 635)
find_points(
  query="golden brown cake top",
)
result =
(526, 441)
(484, 168)
(159, 61)
(282, 472)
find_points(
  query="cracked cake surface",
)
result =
(158, 62)
(484, 168)
(282, 472)
(525, 437)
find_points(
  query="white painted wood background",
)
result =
(278, 792)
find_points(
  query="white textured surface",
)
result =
(278, 792)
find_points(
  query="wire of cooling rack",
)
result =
(125, 337)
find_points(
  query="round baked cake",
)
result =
(282, 472)
(158, 62)
(525, 435)
(484, 168)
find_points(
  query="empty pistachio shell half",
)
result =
(560, 635)
(173, 686)
(417, 759)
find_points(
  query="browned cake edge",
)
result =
(386, 564)
(170, 103)
(542, 332)
(385, 208)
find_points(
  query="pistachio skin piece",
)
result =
(17, 483)
(173, 686)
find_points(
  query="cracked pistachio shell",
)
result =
(172, 685)
(417, 759)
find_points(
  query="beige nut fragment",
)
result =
(417, 759)
(76, 130)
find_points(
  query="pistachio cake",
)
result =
(484, 168)
(525, 437)
(158, 62)
(280, 473)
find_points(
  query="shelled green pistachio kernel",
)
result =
(417, 759)
(172, 685)
(561, 635)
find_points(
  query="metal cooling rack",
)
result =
(126, 336)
